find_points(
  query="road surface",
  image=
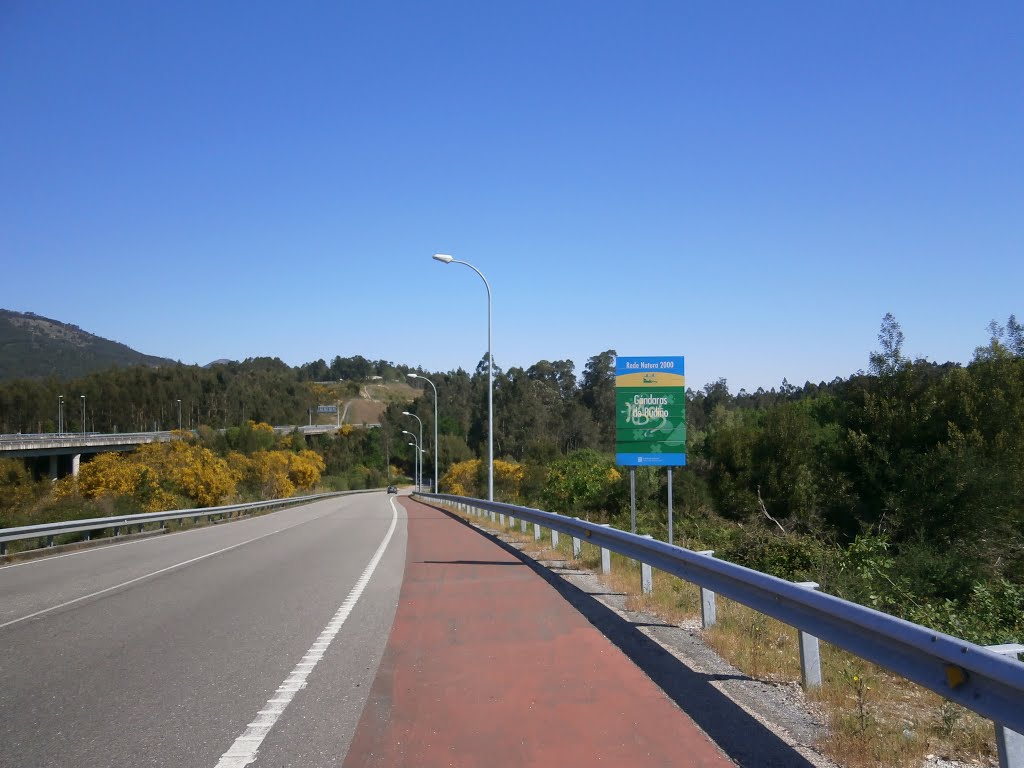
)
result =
(163, 652)
(363, 631)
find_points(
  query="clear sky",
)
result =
(752, 185)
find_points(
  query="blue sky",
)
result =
(751, 185)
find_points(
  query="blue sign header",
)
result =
(625, 365)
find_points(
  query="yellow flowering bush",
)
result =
(305, 468)
(460, 479)
(200, 475)
(270, 470)
(109, 474)
(508, 478)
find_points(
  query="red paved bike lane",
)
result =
(487, 665)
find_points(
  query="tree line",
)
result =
(901, 486)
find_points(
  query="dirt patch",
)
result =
(364, 412)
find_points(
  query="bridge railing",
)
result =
(989, 681)
(79, 438)
(45, 532)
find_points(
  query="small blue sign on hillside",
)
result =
(327, 409)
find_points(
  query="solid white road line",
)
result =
(140, 578)
(104, 547)
(243, 750)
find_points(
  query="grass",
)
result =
(874, 718)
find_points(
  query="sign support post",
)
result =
(650, 420)
(670, 505)
(632, 499)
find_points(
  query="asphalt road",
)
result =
(199, 648)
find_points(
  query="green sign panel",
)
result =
(650, 412)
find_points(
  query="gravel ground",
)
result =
(756, 723)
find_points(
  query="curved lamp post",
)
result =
(406, 413)
(417, 376)
(416, 461)
(419, 451)
(444, 258)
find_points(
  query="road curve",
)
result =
(167, 651)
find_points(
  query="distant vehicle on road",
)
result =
(392, 489)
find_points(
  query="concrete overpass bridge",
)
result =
(60, 454)
(64, 450)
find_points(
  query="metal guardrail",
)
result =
(48, 530)
(983, 680)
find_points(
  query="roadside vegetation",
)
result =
(900, 487)
(873, 718)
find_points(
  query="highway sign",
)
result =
(650, 412)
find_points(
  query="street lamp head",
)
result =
(406, 413)
(412, 375)
(443, 257)
(406, 432)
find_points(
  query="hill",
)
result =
(33, 347)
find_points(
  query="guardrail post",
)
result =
(522, 526)
(606, 555)
(501, 519)
(1009, 744)
(554, 539)
(3, 548)
(577, 545)
(646, 575)
(511, 522)
(810, 654)
(49, 541)
(708, 610)
(536, 531)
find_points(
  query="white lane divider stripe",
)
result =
(243, 750)
(140, 578)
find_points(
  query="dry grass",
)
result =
(875, 719)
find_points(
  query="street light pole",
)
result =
(179, 414)
(446, 259)
(416, 462)
(60, 414)
(417, 449)
(417, 376)
(83, 413)
(406, 413)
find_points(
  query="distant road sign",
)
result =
(327, 409)
(650, 412)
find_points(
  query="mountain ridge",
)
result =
(33, 346)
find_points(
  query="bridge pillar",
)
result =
(76, 461)
(53, 467)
